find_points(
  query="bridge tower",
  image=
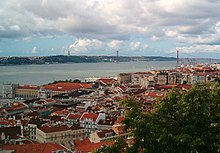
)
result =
(117, 57)
(177, 58)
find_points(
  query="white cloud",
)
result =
(2, 28)
(34, 50)
(155, 38)
(138, 46)
(116, 44)
(170, 33)
(108, 18)
(217, 27)
(199, 49)
(85, 45)
(107, 24)
(43, 3)
(89, 45)
(15, 28)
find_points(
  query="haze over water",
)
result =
(42, 74)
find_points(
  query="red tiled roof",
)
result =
(62, 112)
(92, 116)
(52, 147)
(28, 87)
(185, 86)
(201, 74)
(66, 86)
(168, 86)
(119, 120)
(123, 88)
(34, 148)
(12, 132)
(4, 121)
(154, 94)
(47, 129)
(117, 98)
(16, 106)
(142, 73)
(93, 146)
(79, 143)
(50, 100)
(105, 133)
(73, 116)
(119, 129)
(86, 85)
(76, 127)
(107, 80)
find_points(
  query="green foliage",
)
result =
(70, 80)
(77, 81)
(217, 80)
(183, 122)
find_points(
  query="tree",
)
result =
(77, 81)
(183, 122)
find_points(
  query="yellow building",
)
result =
(27, 91)
(60, 134)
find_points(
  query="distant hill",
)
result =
(77, 59)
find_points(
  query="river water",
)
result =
(42, 74)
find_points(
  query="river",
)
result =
(42, 74)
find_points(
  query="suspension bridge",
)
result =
(182, 58)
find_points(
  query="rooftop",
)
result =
(34, 148)
(66, 86)
(91, 116)
(28, 87)
(93, 146)
(51, 129)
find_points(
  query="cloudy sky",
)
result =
(101, 27)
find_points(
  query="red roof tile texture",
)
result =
(91, 116)
(51, 129)
(73, 116)
(93, 146)
(107, 80)
(154, 94)
(34, 148)
(66, 86)
(119, 120)
(28, 87)
(79, 143)
(16, 106)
